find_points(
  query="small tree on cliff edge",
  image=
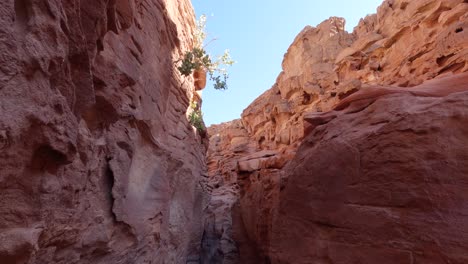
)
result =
(198, 59)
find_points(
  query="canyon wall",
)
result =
(350, 157)
(382, 180)
(294, 207)
(98, 163)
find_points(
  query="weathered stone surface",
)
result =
(256, 161)
(233, 226)
(98, 163)
(326, 68)
(274, 119)
(404, 44)
(381, 183)
(218, 245)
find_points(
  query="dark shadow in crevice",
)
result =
(45, 158)
(22, 15)
(109, 185)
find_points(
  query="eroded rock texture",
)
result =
(387, 56)
(405, 43)
(98, 163)
(383, 182)
(222, 219)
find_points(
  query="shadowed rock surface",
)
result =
(98, 163)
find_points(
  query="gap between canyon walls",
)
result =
(98, 163)
(294, 181)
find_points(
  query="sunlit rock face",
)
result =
(98, 163)
(404, 44)
(306, 198)
(380, 182)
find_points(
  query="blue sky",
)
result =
(258, 33)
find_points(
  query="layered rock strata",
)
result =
(404, 44)
(98, 163)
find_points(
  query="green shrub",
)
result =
(198, 58)
(196, 117)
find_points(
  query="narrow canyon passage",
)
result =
(354, 155)
(357, 154)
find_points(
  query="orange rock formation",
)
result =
(359, 74)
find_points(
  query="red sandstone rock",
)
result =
(228, 142)
(98, 163)
(326, 68)
(404, 44)
(384, 184)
